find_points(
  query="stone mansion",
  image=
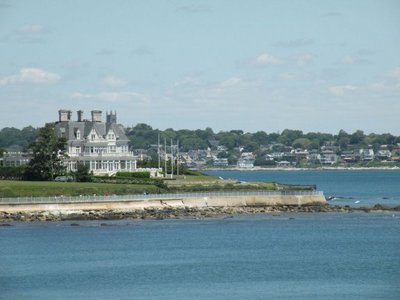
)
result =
(102, 146)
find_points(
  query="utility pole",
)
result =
(172, 160)
(158, 151)
(165, 157)
(177, 158)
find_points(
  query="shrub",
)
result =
(12, 172)
(132, 175)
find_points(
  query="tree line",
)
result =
(47, 149)
(143, 136)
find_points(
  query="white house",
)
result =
(367, 154)
(102, 146)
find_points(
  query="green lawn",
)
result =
(10, 188)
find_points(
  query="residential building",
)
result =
(350, 156)
(300, 153)
(102, 146)
(314, 157)
(245, 163)
(15, 159)
(383, 154)
(283, 163)
(220, 162)
(328, 157)
(366, 154)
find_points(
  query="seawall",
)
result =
(179, 201)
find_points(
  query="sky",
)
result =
(316, 66)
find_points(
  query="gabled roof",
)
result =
(69, 129)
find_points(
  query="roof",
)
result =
(69, 129)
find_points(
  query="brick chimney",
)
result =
(64, 115)
(80, 115)
(96, 115)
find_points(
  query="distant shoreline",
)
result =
(304, 169)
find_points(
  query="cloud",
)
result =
(365, 52)
(294, 43)
(341, 90)
(30, 33)
(31, 75)
(288, 76)
(113, 81)
(5, 4)
(395, 73)
(105, 52)
(303, 59)
(113, 96)
(332, 14)
(354, 59)
(194, 8)
(233, 81)
(187, 82)
(267, 59)
(348, 60)
(142, 51)
(30, 29)
(378, 87)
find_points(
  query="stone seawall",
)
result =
(179, 202)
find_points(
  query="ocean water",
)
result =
(283, 256)
(287, 256)
(349, 187)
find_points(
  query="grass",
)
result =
(189, 178)
(9, 188)
(190, 183)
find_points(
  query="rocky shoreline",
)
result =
(175, 213)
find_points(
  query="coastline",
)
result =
(303, 169)
(7, 218)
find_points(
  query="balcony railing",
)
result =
(103, 154)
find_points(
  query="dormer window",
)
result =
(111, 135)
(78, 135)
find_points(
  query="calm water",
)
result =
(355, 188)
(302, 256)
(287, 256)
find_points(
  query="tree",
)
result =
(357, 137)
(301, 143)
(251, 147)
(288, 136)
(260, 137)
(82, 173)
(47, 152)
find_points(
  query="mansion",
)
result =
(102, 146)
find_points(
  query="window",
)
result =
(78, 134)
(93, 137)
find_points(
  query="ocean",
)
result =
(348, 187)
(282, 256)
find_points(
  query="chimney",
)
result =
(80, 115)
(112, 117)
(64, 115)
(96, 115)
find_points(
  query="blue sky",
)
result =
(251, 65)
